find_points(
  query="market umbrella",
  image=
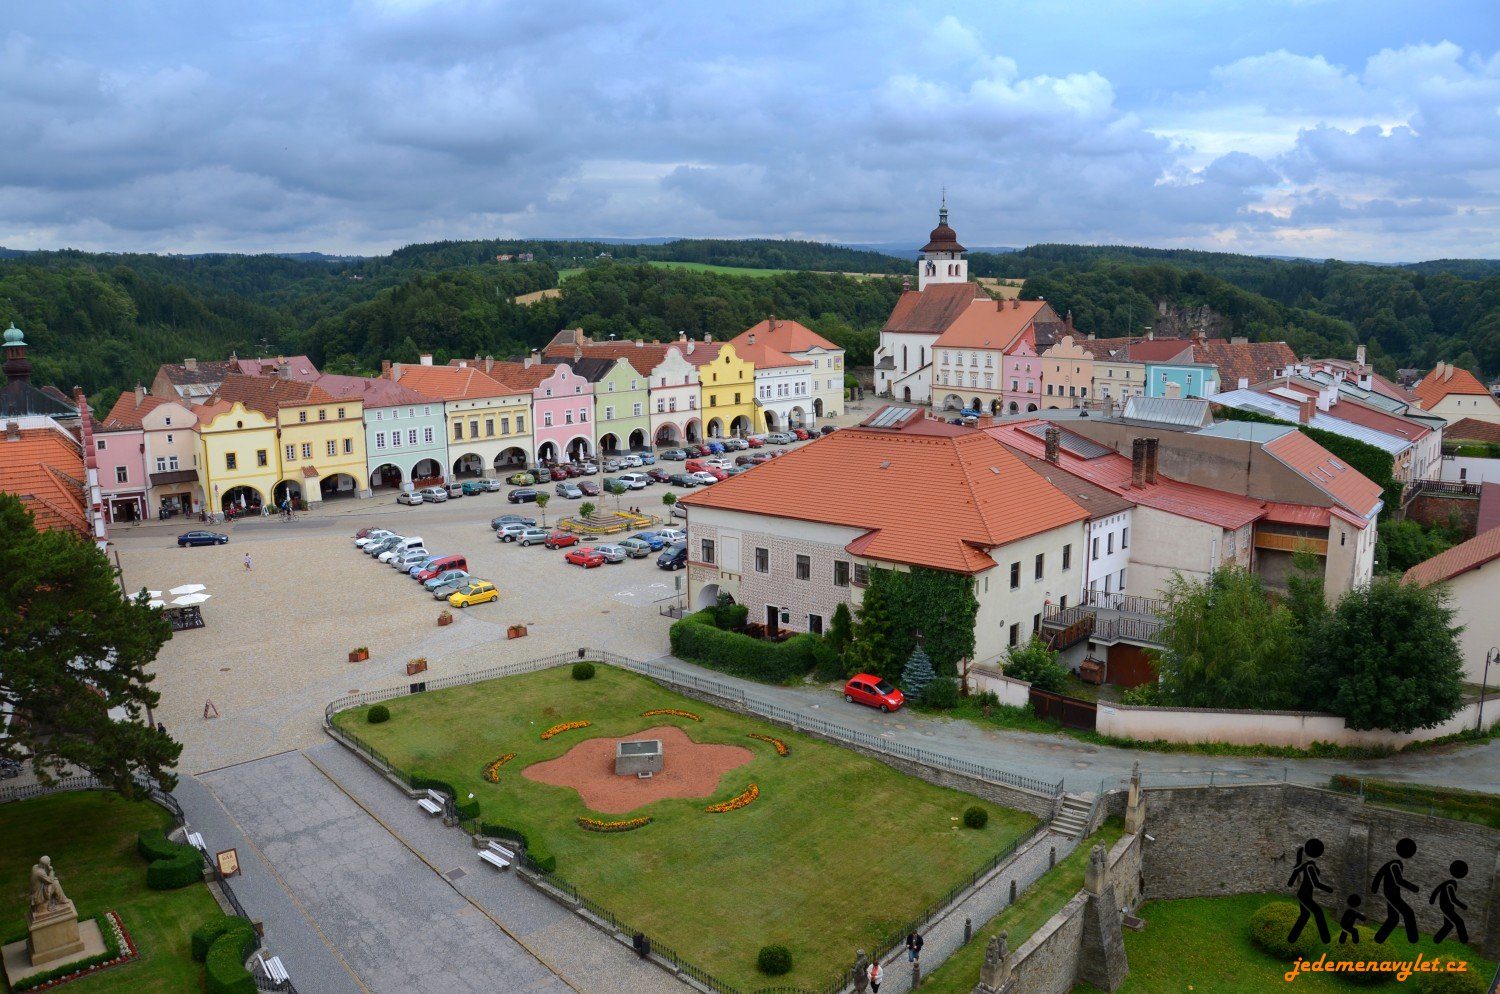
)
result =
(188, 588)
(188, 600)
(156, 603)
(153, 593)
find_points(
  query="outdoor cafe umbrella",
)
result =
(187, 588)
(188, 600)
(156, 603)
(154, 593)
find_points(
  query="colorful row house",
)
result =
(488, 422)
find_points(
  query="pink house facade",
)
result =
(563, 416)
(122, 472)
(1021, 375)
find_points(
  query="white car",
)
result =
(635, 481)
(630, 462)
(672, 535)
(719, 463)
(409, 497)
(704, 479)
(434, 495)
(378, 535)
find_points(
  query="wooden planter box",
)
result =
(358, 655)
(516, 632)
(416, 666)
(445, 619)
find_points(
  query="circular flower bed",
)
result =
(749, 794)
(781, 749)
(566, 726)
(672, 711)
(595, 825)
(492, 771)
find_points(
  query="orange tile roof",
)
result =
(44, 467)
(976, 495)
(1161, 350)
(1444, 381)
(129, 410)
(766, 357)
(520, 377)
(785, 336)
(990, 324)
(1476, 552)
(644, 356)
(931, 311)
(455, 382)
(1473, 430)
(268, 394)
(1116, 349)
(1248, 361)
(1329, 474)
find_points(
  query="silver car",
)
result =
(511, 531)
(490, 485)
(409, 497)
(612, 553)
(412, 557)
(376, 548)
(378, 535)
(532, 536)
(434, 495)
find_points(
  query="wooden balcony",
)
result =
(1290, 543)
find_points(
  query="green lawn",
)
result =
(563, 274)
(1203, 944)
(704, 267)
(837, 852)
(90, 836)
(1040, 902)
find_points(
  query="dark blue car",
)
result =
(675, 557)
(201, 538)
(654, 540)
(717, 448)
(521, 496)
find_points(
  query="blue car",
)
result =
(717, 448)
(646, 458)
(654, 540)
(201, 538)
(675, 557)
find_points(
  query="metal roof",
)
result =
(1245, 431)
(1083, 448)
(889, 417)
(1188, 412)
(1277, 407)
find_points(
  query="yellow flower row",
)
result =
(735, 803)
(781, 749)
(595, 825)
(672, 711)
(566, 726)
(492, 771)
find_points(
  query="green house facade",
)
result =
(622, 417)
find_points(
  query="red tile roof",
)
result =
(1392, 424)
(931, 311)
(1161, 350)
(1108, 348)
(373, 390)
(455, 382)
(1248, 361)
(299, 367)
(785, 336)
(991, 324)
(976, 495)
(1296, 514)
(1473, 430)
(1489, 507)
(644, 356)
(128, 411)
(1444, 381)
(268, 394)
(765, 356)
(44, 467)
(1476, 552)
(1336, 478)
(519, 376)
(1112, 471)
(1099, 502)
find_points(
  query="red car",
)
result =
(659, 475)
(558, 540)
(589, 487)
(561, 472)
(584, 556)
(874, 692)
(755, 441)
(715, 472)
(363, 532)
(801, 433)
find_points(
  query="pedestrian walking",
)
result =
(877, 977)
(247, 561)
(913, 948)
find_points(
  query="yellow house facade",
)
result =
(237, 465)
(322, 449)
(728, 386)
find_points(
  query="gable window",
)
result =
(122, 474)
(322, 414)
(99, 444)
(302, 417)
(762, 560)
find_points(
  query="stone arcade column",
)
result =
(1101, 961)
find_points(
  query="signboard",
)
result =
(228, 862)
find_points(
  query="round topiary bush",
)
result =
(1272, 923)
(1449, 983)
(379, 713)
(976, 817)
(774, 960)
(583, 671)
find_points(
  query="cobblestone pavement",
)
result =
(395, 924)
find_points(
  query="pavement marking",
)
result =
(282, 883)
(441, 875)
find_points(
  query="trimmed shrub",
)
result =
(583, 671)
(378, 714)
(774, 960)
(224, 967)
(464, 808)
(941, 693)
(177, 871)
(1272, 923)
(153, 844)
(205, 935)
(1449, 983)
(535, 852)
(976, 817)
(697, 639)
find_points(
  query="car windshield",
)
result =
(884, 687)
(674, 549)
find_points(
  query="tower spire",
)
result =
(943, 207)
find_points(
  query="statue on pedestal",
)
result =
(46, 891)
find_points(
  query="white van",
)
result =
(406, 544)
(635, 481)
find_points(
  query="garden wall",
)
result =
(1298, 729)
(1213, 841)
(1016, 693)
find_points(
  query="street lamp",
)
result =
(1493, 656)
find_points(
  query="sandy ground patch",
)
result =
(689, 769)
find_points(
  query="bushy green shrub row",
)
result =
(171, 865)
(111, 950)
(697, 639)
(1270, 926)
(463, 807)
(583, 671)
(222, 944)
(535, 852)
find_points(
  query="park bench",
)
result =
(497, 855)
(274, 970)
(195, 839)
(434, 803)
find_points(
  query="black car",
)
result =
(683, 480)
(522, 496)
(829, 429)
(673, 557)
(201, 538)
(508, 519)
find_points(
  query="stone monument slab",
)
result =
(640, 758)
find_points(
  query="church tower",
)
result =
(942, 258)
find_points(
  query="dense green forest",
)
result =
(104, 321)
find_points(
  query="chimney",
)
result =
(1150, 334)
(1138, 462)
(1239, 340)
(577, 353)
(190, 364)
(1068, 322)
(752, 338)
(1151, 444)
(707, 337)
(425, 358)
(489, 364)
(1054, 442)
(577, 336)
(1015, 303)
(12, 431)
(682, 336)
(283, 369)
(526, 362)
(1306, 409)
(1359, 355)
(771, 323)
(140, 395)
(984, 421)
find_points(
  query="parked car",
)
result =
(675, 455)
(646, 458)
(378, 546)
(874, 692)
(522, 479)
(559, 472)
(478, 592)
(611, 465)
(455, 489)
(507, 519)
(589, 488)
(745, 460)
(718, 463)
(584, 556)
(446, 578)
(426, 557)
(513, 530)
(652, 540)
(443, 591)
(442, 564)
(706, 476)
(470, 488)
(491, 485)
(635, 481)
(734, 470)
(401, 550)
(522, 496)
(611, 553)
(614, 486)
(694, 451)
(635, 548)
(531, 536)
(828, 429)
(755, 441)
(410, 497)
(673, 557)
(684, 480)
(568, 490)
(542, 474)
(589, 467)
(201, 538)
(716, 447)
(756, 458)
(403, 560)
(672, 534)
(434, 495)
(560, 540)
(658, 475)
(678, 511)
(630, 462)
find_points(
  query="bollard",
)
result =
(1051, 857)
(969, 923)
(916, 975)
(1012, 892)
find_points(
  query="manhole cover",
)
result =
(456, 873)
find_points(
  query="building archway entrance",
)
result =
(609, 444)
(818, 407)
(468, 464)
(242, 499)
(579, 448)
(666, 435)
(906, 394)
(953, 402)
(740, 426)
(426, 472)
(512, 458)
(716, 428)
(336, 486)
(287, 490)
(708, 596)
(638, 439)
(772, 423)
(386, 476)
(546, 452)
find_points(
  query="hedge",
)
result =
(153, 844)
(463, 810)
(111, 950)
(172, 865)
(535, 852)
(224, 966)
(696, 639)
(205, 935)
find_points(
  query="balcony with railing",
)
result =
(1105, 619)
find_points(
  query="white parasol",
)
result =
(156, 602)
(186, 588)
(188, 600)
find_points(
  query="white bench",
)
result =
(195, 839)
(434, 803)
(497, 855)
(275, 970)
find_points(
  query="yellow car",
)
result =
(475, 593)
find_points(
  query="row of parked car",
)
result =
(458, 488)
(670, 543)
(445, 576)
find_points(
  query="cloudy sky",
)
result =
(1366, 129)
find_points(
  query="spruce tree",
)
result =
(918, 673)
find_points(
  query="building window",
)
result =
(1122, 581)
(1094, 546)
(1036, 624)
(474, 428)
(291, 453)
(458, 430)
(231, 461)
(815, 624)
(708, 550)
(99, 444)
(1109, 543)
(1015, 634)
(567, 417)
(804, 568)
(341, 414)
(262, 457)
(348, 446)
(122, 474)
(302, 417)
(1040, 564)
(1067, 562)
(609, 414)
(379, 441)
(546, 419)
(411, 436)
(1015, 575)
(395, 440)
(762, 560)
(306, 450)
(861, 576)
(332, 447)
(161, 465)
(1125, 537)
(840, 573)
(427, 435)
(322, 414)
(583, 416)
(489, 427)
(637, 410)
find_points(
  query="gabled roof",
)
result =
(1444, 381)
(375, 391)
(931, 311)
(298, 367)
(594, 368)
(1180, 412)
(454, 382)
(44, 467)
(1248, 361)
(268, 394)
(19, 399)
(644, 356)
(977, 495)
(128, 411)
(1285, 409)
(1473, 430)
(1099, 502)
(1114, 349)
(1161, 350)
(991, 324)
(785, 336)
(518, 376)
(766, 357)
(1346, 485)
(1478, 551)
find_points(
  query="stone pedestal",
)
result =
(54, 934)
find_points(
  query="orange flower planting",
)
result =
(735, 803)
(781, 749)
(566, 726)
(492, 771)
(672, 711)
(595, 825)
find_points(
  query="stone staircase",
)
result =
(1072, 819)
